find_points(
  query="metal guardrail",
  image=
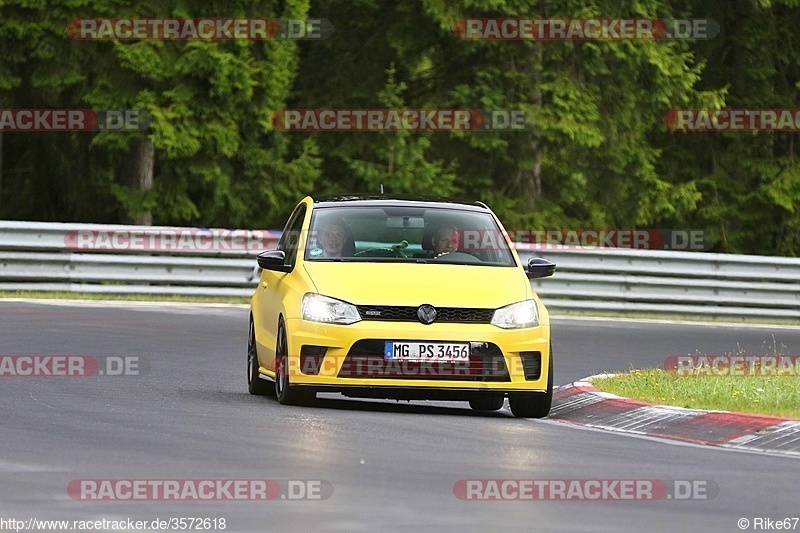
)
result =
(47, 257)
(37, 256)
(662, 282)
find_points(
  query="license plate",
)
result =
(446, 352)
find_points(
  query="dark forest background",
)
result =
(599, 155)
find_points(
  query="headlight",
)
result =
(318, 308)
(519, 315)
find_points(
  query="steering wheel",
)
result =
(461, 257)
(396, 250)
(377, 252)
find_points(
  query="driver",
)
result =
(332, 239)
(445, 240)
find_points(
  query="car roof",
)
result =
(396, 201)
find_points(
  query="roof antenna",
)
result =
(381, 188)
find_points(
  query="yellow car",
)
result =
(400, 298)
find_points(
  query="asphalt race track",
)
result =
(392, 465)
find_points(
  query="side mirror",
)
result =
(273, 260)
(539, 267)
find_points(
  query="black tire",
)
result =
(286, 393)
(534, 404)
(255, 385)
(487, 402)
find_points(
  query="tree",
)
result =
(209, 155)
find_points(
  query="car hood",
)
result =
(412, 284)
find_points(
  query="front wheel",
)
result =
(534, 404)
(255, 384)
(287, 393)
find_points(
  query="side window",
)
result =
(291, 235)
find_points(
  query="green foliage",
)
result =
(209, 105)
(399, 160)
(596, 153)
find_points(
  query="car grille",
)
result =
(409, 314)
(366, 360)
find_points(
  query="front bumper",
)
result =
(514, 349)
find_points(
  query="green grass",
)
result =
(123, 297)
(765, 395)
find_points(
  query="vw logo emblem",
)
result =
(426, 314)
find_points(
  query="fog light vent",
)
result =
(532, 365)
(311, 359)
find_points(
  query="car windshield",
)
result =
(406, 234)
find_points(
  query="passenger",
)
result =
(445, 240)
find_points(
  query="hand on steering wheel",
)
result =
(397, 249)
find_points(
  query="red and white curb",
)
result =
(582, 404)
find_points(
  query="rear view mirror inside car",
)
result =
(405, 222)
